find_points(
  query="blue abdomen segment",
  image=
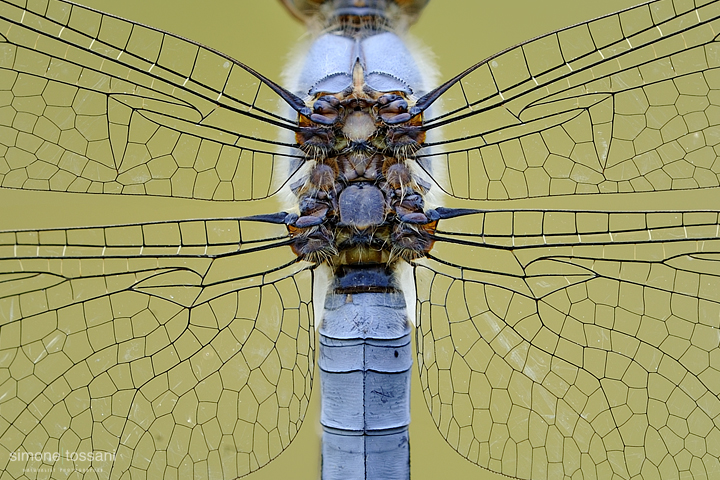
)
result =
(365, 361)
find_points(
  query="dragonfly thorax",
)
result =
(360, 125)
(361, 117)
(360, 194)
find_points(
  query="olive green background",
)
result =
(260, 34)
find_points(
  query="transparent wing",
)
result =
(179, 346)
(93, 103)
(629, 102)
(576, 345)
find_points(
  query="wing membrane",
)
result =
(94, 103)
(623, 103)
(592, 353)
(169, 345)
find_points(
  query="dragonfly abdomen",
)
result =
(365, 363)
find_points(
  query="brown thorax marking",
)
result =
(359, 117)
(365, 138)
(358, 134)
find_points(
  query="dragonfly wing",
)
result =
(94, 103)
(593, 353)
(624, 103)
(174, 346)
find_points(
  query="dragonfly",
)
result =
(663, 229)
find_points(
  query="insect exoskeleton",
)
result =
(360, 201)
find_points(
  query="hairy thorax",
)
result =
(360, 202)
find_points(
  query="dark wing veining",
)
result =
(629, 102)
(94, 103)
(576, 345)
(178, 346)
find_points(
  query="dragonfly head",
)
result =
(358, 14)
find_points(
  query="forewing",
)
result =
(94, 103)
(626, 103)
(178, 345)
(576, 345)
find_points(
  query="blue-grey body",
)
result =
(365, 363)
(389, 65)
(365, 353)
